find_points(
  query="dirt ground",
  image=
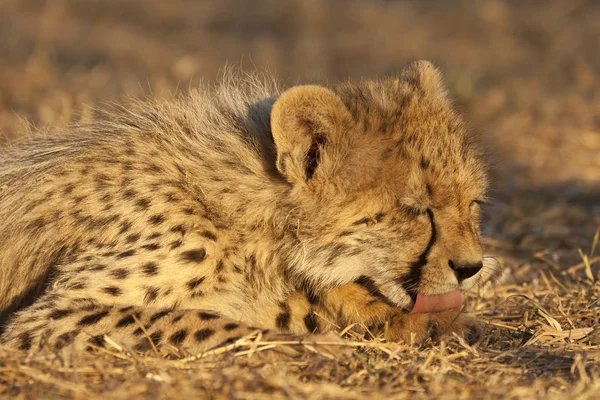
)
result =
(525, 73)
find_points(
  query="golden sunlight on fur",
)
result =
(195, 221)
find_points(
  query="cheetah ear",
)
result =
(426, 76)
(307, 124)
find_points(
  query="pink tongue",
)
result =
(437, 302)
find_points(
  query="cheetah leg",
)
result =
(367, 309)
(60, 324)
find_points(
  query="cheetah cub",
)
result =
(190, 223)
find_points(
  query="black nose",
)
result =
(465, 270)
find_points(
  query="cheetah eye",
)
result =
(411, 211)
(479, 202)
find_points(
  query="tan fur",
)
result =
(237, 207)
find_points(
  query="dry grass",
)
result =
(526, 73)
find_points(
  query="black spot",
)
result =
(92, 318)
(97, 267)
(125, 254)
(194, 283)
(65, 339)
(251, 262)
(175, 244)
(231, 327)
(429, 189)
(36, 224)
(125, 321)
(196, 255)
(159, 315)
(171, 198)
(156, 337)
(125, 309)
(209, 235)
(189, 211)
(142, 204)
(127, 166)
(150, 269)
(237, 269)
(156, 219)
(312, 297)
(25, 341)
(138, 332)
(153, 168)
(311, 322)
(124, 227)
(177, 318)
(283, 320)
(151, 246)
(205, 316)
(220, 266)
(119, 273)
(78, 199)
(155, 235)
(134, 237)
(69, 188)
(129, 194)
(112, 290)
(151, 294)
(97, 340)
(424, 163)
(178, 229)
(203, 334)
(59, 314)
(178, 336)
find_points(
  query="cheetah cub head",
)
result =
(387, 185)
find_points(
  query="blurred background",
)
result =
(525, 73)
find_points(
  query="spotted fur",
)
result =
(190, 222)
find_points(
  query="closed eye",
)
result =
(411, 211)
(480, 202)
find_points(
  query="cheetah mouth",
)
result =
(430, 303)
